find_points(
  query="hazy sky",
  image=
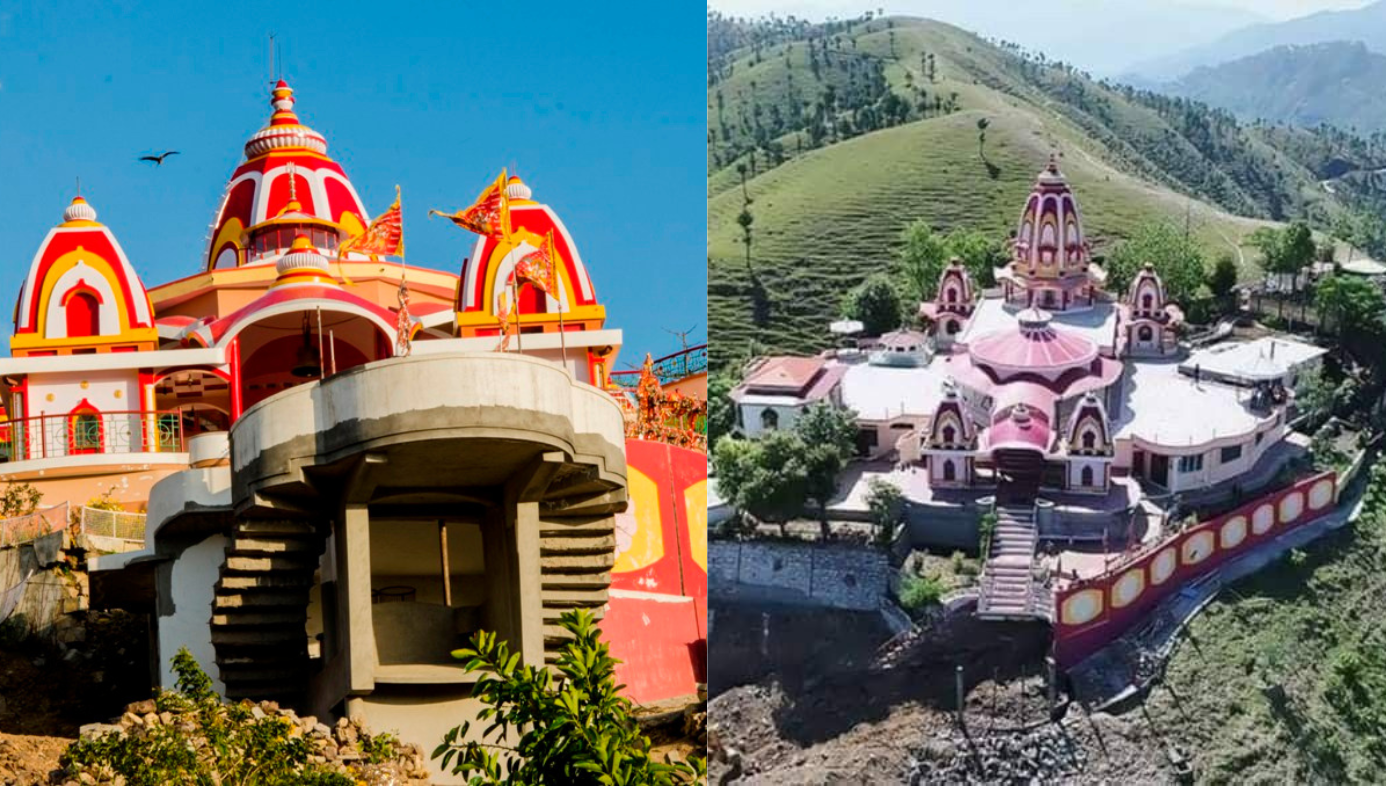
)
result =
(1107, 37)
(813, 9)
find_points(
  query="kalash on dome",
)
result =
(350, 464)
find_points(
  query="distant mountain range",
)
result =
(1366, 24)
(1340, 83)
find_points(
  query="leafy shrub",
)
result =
(19, 499)
(574, 727)
(918, 592)
(211, 743)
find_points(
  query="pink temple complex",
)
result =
(1056, 401)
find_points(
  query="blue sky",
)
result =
(602, 111)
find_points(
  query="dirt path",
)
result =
(27, 760)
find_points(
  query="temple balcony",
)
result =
(84, 443)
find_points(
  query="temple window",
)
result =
(1145, 333)
(951, 295)
(948, 434)
(952, 327)
(769, 419)
(1085, 477)
(949, 472)
(1147, 302)
(83, 311)
(1089, 440)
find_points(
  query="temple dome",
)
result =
(79, 210)
(286, 187)
(1034, 345)
(1049, 241)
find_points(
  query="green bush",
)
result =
(918, 592)
(573, 726)
(225, 744)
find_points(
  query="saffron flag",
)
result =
(489, 215)
(503, 314)
(384, 237)
(538, 268)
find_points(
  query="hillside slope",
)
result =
(1337, 83)
(828, 216)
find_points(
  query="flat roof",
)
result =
(886, 392)
(1232, 359)
(1165, 407)
(1098, 324)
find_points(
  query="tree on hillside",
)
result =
(1285, 252)
(980, 254)
(876, 304)
(1350, 305)
(921, 258)
(721, 411)
(1177, 259)
(745, 219)
(765, 478)
(982, 124)
(886, 504)
(1223, 277)
(829, 435)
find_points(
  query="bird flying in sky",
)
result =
(159, 159)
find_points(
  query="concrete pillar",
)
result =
(354, 596)
(524, 518)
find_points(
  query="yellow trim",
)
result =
(283, 152)
(232, 230)
(571, 317)
(80, 222)
(67, 262)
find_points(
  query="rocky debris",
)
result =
(27, 760)
(1045, 755)
(338, 746)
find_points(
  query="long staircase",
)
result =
(1008, 590)
(260, 609)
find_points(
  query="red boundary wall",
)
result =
(1091, 613)
(656, 618)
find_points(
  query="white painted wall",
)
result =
(192, 587)
(751, 414)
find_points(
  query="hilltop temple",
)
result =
(1060, 400)
(344, 478)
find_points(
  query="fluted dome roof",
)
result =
(284, 129)
(303, 261)
(1035, 344)
(79, 210)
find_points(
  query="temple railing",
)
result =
(22, 529)
(670, 368)
(86, 433)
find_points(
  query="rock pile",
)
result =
(337, 747)
(1043, 755)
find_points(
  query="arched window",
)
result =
(948, 434)
(951, 294)
(1089, 440)
(949, 473)
(84, 429)
(769, 419)
(1085, 477)
(83, 310)
(1147, 301)
(1145, 333)
(952, 326)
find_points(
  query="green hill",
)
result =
(827, 216)
(1336, 82)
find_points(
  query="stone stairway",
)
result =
(1008, 590)
(260, 609)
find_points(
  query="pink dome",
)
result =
(1021, 428)
(1035, 345)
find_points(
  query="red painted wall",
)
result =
(656, 619)
(1091, 613)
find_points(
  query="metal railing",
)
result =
(80, 433)
(22, 529)
(116, 524)
(670, 368)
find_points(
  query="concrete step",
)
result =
(266, 636)
(271, 563)
(275, 528)
(271, 545)
(266, 581)
(260, 597)
(259, 616)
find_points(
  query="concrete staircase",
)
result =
(260, 609)
(1008, 587)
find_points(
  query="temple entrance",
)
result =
(292, 348)
(1159, 469)
(1019, 473)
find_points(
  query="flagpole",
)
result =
(515, 287)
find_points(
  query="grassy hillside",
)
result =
(1282, 679)
(826, 217)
